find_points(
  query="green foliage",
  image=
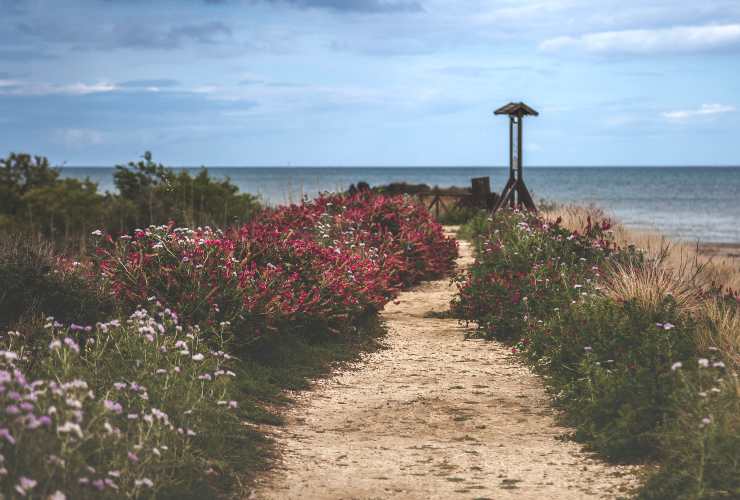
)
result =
(458, 215)
(475, 226)
(19, 174)
(612, 367)
(700, 444)
(632, 377)
(35, 282)
(142, 406)
(158, 195)
(36, 202)
(33, 200)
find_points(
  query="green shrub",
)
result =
(35, 202)
(611, 365)
(142, 407)
(35, 282)
(638, 378)
(158, 194)
(700, 443)
(458, 215)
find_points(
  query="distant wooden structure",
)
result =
(515, 192)
(478, 196)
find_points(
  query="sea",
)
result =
(684, 203)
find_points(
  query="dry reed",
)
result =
(651, 281)
(680, 270)
(721, 271)
(721, 331)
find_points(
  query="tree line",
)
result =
(36, 202)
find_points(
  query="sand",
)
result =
(433, 416)
(722, 250)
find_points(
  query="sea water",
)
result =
(686, 203)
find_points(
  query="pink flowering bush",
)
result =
(527, 267)
(324, 263)
(152, 405)
(124, 408)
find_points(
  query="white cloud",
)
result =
(12, 87)
(78, 137)
(83, 88)
(680, 39)
(704, 110)
(521, 11)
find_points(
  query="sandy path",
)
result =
(432, 416)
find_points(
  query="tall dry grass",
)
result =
(677, 269)
(721, 331)
(681, 257)
(651, 280)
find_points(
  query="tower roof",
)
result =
(517, 109)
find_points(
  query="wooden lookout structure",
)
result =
(515, 193)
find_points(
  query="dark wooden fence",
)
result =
(479, 195)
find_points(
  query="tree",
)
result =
(19, 173)
(137, 181)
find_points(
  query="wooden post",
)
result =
(480, 187)
(515, 193)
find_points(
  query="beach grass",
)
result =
(717, 264)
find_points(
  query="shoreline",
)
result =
(724, 250)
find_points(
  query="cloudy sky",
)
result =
(370, 82)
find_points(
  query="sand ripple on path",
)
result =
(432, 416)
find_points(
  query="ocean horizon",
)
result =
(687, 203)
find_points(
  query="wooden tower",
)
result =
(515, 193)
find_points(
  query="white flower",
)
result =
(71, 428)
(9, 355)
(703, 362)
(198, 357)
(675, 366)
(144, 482)
(57, 495)
(97, 232)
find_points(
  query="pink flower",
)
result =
(5, 433)
(113, 406)
(25, 485)
(72, 344)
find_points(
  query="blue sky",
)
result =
(370, 82)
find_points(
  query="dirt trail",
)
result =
(432, 416)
